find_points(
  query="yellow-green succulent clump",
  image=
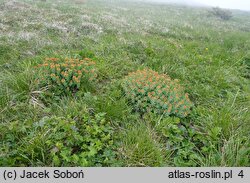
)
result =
(67, 75)
(149, 91)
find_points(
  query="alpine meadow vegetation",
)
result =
(123, 83)
(157, 93)
(68, 75)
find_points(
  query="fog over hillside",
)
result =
(185, 2)
(231, 4)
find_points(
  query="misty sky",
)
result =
(231, 4)
(234, 4)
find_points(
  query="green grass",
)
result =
(209, 56)
(140, 147)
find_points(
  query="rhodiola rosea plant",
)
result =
(149, 91)
(67, 75)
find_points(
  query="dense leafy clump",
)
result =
(150, 91)
(67, 75)
(221, 13)
(55, 141)
(183, 140)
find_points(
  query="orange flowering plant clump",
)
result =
(150, 91)
(67, 75)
